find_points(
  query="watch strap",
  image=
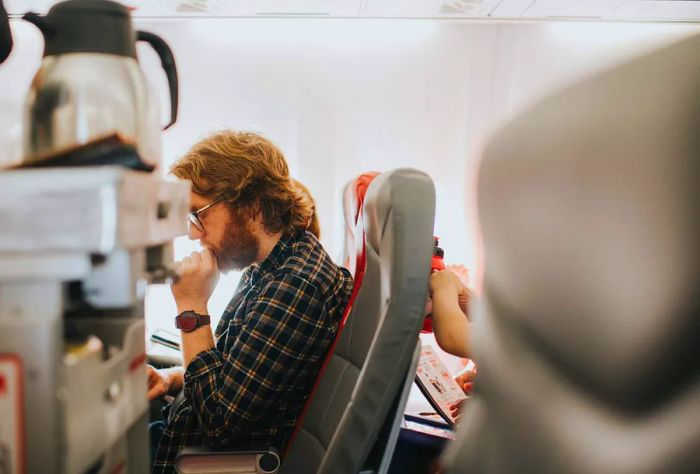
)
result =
(203, 320)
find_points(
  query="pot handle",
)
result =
(167, 60)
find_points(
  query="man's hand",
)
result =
(164, 381)
(198, 275)
(158, 384)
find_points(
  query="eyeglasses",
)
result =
(194, 215)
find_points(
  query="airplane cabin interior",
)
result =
(358, 236)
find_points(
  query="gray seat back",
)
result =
(588, 337)
(368, 368)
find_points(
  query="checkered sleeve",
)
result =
(283, 337)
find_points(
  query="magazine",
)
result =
(437, 384)
(166, 338)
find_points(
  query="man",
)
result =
(248, 387)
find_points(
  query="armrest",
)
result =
(206, 461)
(163, 361)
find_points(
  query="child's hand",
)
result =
(445, 281)
(465, 379)
(455, 408)
(448, 283)
(463, 301)
(461, 272)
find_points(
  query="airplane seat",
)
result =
(353, 416)
(365, 387)
(353, 199)
(355, 242)
(587, 333)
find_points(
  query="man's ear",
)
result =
(257, 211)
(257, 217)
(250, 213)
(253, 212)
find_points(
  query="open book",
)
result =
(437, 384)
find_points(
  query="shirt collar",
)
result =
(275, 258)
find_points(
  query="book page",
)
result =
(437, 384)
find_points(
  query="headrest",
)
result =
(354, 195)
(406, 188)
(353, 198)
(589, 208)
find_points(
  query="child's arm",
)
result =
(450, 323)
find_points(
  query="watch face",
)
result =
(187, 321)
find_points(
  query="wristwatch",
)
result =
(188, 321)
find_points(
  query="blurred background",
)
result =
(345, 87)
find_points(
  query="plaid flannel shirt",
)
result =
(249, 390)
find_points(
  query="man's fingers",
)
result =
(188, 264)
(196, 258)
(158, 389)
(152, 374)
(203, 260)
(154, 392)
(184, 265)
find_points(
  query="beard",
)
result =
(239, 246)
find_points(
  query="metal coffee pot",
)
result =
(89, 84)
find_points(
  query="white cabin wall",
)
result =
(343, 96)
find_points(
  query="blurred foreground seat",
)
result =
(587, 337)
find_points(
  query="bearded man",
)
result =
(246, 385)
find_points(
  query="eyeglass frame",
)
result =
(193, 216)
